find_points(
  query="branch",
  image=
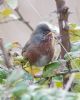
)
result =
(21, 19)
(7, 21)
(63, 13)
(5, 55)
(60, 73)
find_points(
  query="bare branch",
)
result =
(22, 19)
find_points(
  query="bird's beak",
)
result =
(50, 33)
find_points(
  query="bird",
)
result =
(39, 49)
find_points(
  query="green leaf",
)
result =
(74, 31)
(14, 76)
(26, 97)
(19, 60)
(76, 88)
(50, 69)
(72, 55)
(3, 75)
(77, 63)
(72, 25)
(75, 46)
(19, 90)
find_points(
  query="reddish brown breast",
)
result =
(41, 54)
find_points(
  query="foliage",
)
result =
(3, 75)
(74, 32)
(74, 55)
(76, 87)
(51, 69)
(19, 89)
(75, 46)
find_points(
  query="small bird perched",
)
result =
(39, 49)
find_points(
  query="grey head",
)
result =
(42, 28)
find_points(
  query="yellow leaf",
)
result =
(59, 84)
(7, 12)
(15, 45)
(34, 70)
(77, 76)
(12, 98)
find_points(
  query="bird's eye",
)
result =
(46, 32)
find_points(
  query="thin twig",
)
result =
(22, 20)
(7, 21)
